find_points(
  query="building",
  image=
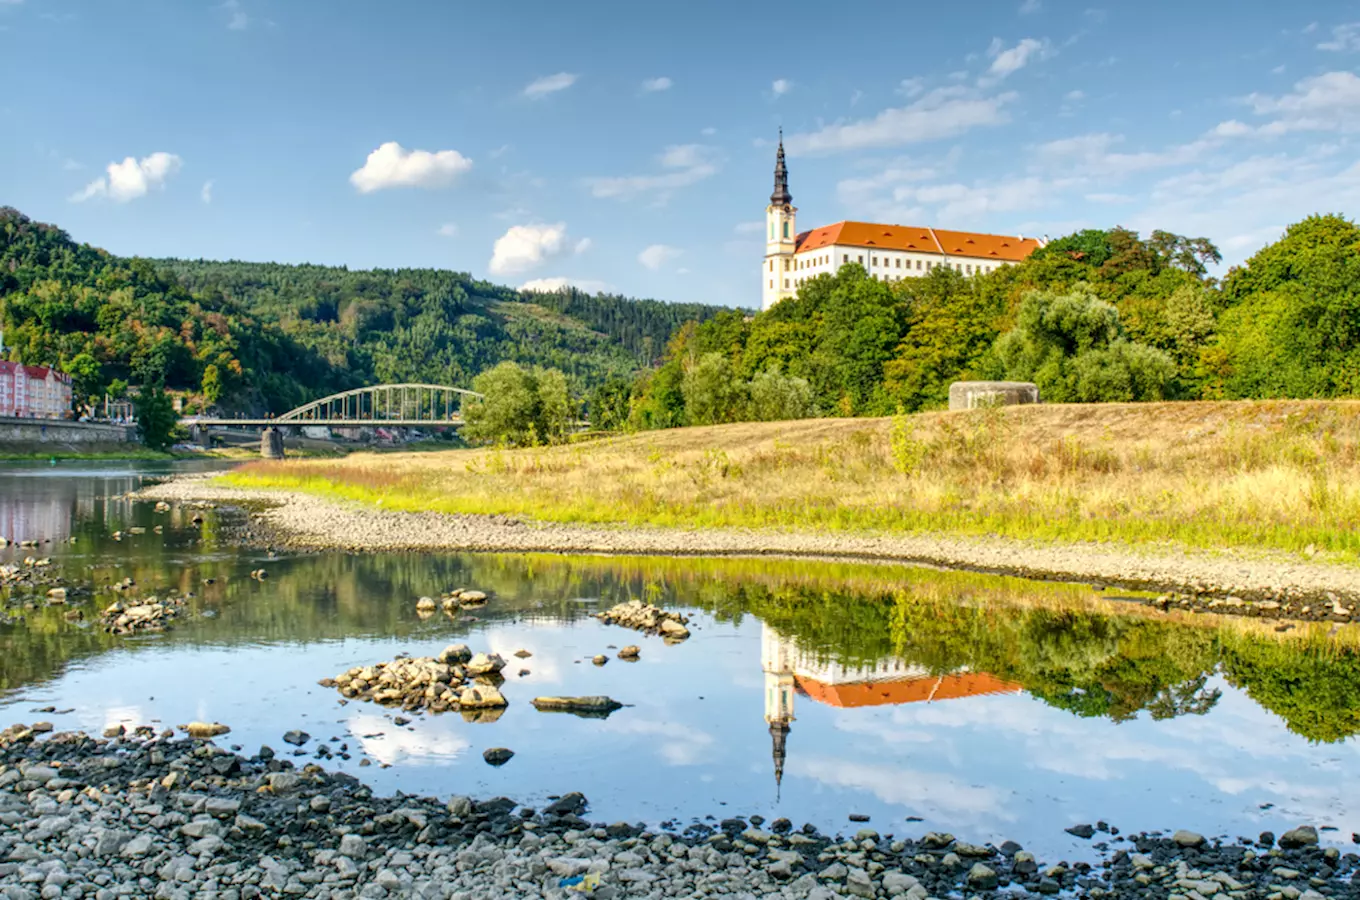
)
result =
(790, 670)
(887, 252)
(34, 392)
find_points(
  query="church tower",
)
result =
(776, 660)
(781, 234)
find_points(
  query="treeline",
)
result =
(264, 337)
(1096, 316)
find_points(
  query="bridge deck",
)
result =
(332, 423)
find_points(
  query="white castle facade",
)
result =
(887, 252)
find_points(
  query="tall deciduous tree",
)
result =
(519, 406)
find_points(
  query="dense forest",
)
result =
(1095, 316)
(264, 337)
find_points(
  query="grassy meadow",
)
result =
(1281, 475)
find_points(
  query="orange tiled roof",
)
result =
(906, 690)
(1007, 248)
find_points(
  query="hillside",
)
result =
(266, 337)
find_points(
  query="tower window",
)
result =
(786, 265)
(786, 230)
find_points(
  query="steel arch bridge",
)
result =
(384, 404)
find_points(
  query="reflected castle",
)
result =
(791, 670)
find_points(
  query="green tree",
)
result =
(520, 406)
(713, 392)
(775, 397)
(87, 378)
(1071, 345)
(156, 420)
(212, 384)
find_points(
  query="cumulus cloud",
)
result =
(941, 113)
(1007, 61)
(557, 283)
(1327, 102)
(392, 165)
(657, 255)
(549, 84)
(525, 247)
(781, 86)
(206, 193)
(657, 84)
(131, 178)
(1095, 153)
(687, 164)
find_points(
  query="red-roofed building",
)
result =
(887, 252)
(34, 392)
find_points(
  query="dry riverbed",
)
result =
(155, 816)
(1264, 582)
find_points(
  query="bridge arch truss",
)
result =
(410, 404)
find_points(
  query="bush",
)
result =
(519, 406)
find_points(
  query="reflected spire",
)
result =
(779, 734)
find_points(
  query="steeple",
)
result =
(779, 734)
(781, 195)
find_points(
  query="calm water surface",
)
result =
(984, 706)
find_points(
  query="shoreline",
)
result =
(158, 815)
(1263, 582)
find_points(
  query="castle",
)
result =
(887, 252)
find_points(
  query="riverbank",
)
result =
(1276, 582)
(152, 815)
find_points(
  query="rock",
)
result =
(137, 847)
(1081, 831)
(485, 664)
(646, 618)
(354, 847)
(56, 595)
(481, 696)
(460, 807)
(1303, 836)
(205, 729)
(600, 659)
(630, 653)
(426, 604)
(523, 654)
(497, 756)
(590, 706)
(898, 883)
(472, 598)
(572, 804)
(296, 737)
(455, 654)
(934, 840)
(1188, 839)
(981, 877)
(1024, 863)
(858, 817)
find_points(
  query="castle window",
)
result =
(899, 263)
(786, 284)
(969, 267)
(786, 265)
(771, 284)
(918, 264)
(873, 260)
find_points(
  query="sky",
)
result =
(629, 147)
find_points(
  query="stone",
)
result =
(485, 664)
(898, 883)
(1303, 836)
(460, 807)
(354, 847)
(284, 782)
(455, 654)
(205, 729)
(137, 847)
(497, 756)
(1188, 839)
(1082, 831)
(599, 659)
(1024, 863)
(481, 696)
(981, 877)
(630, 653)
(296, 737)
(426, 604)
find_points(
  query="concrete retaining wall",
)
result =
(975, 394)
(60, 431)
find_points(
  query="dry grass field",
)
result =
(1275, 474)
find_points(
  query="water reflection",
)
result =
(991, 707)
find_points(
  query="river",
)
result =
(989, 707)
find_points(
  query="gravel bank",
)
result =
(176, 819)
(303, 521)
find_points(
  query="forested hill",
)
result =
(400, 322)
(266, 337)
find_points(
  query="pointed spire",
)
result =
(781, 195)
(779, 734)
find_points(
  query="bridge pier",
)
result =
(271, 443)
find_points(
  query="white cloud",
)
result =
(709, 131)
(582, 246)
(941, 113)
(652, 85)
(1074, 96)
(1030, 7)
(1344, 38)
(912, 87)
(557, 283)
(1105, 197)
(657, 255)
(1327, 102)
(448, 229)
(1009, 61)
(392, 165)
(781, 86)
(131, 178)
(549, 84)
(525, 247)
(1095, 154)
(206, 194)
(857, 96)
(239, 21)
(689, 164)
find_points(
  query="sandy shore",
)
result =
(302, 521)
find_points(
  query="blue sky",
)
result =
(630, 145)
